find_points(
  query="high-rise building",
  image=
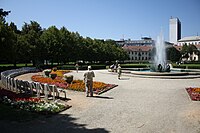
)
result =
(174, 30)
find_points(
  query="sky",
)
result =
(108, 19)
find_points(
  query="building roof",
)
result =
(138, 48)
(198, 46)
(190, 38)
(179, 48)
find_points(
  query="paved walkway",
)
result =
(137, 105)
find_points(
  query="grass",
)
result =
(18, 65)
(189, 66)
(11, 114)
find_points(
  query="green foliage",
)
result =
(81, 67)
(173, 54)
(188, 49)
(188, 66)
(3, 14)
(36, 45)
(134, 65)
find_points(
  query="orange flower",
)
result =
(76, 85)
(196, 90)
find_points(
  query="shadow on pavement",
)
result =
(60, 123)
(124, 78)
(103, 97)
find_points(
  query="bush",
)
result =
(53, 75)
(188, 66)
(194, 67)
(181, 67)
(47, 72)
(134, 65)
(68, 78)
(81, 67)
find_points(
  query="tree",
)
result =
(192, 48)
(52, 40)
(173, 54)
(3, 14)
(5, 34)
(31, 34)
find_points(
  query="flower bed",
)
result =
(58, 81)
(194, 93)
(60, 73)
(77, 85)
(31, 104)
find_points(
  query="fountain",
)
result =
(160, 68)
(160, 63)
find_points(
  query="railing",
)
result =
(9, 82)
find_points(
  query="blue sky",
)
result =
(107, 19)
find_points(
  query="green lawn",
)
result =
(18, 65)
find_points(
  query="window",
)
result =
(135, 58)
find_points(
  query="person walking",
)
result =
(77, 67)
(88, 80)
(119, 71)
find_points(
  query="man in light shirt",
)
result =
(88, 79)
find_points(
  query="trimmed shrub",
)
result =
(134, 65)
(81, 67)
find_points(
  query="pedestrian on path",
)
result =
(88, 80)
(119, 71)
(77, 66)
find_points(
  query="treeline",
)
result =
(34, 44)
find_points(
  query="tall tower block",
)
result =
(174, 30)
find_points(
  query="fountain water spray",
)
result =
(160, 63)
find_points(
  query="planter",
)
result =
(69, 78)
(53, 75)
(47, 72)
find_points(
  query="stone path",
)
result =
(139, 105)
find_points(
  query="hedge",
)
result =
(134, 65)
(191, 66)
(81, 67)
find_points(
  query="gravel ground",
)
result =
(139, 105)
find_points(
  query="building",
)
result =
(143, 42)
(195, 40)
(194, 56)
(139, 53)
(174, 30)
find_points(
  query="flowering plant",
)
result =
(194, 93)
(35, 105)
(47, 72)
(58, 81)
(77, 85)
